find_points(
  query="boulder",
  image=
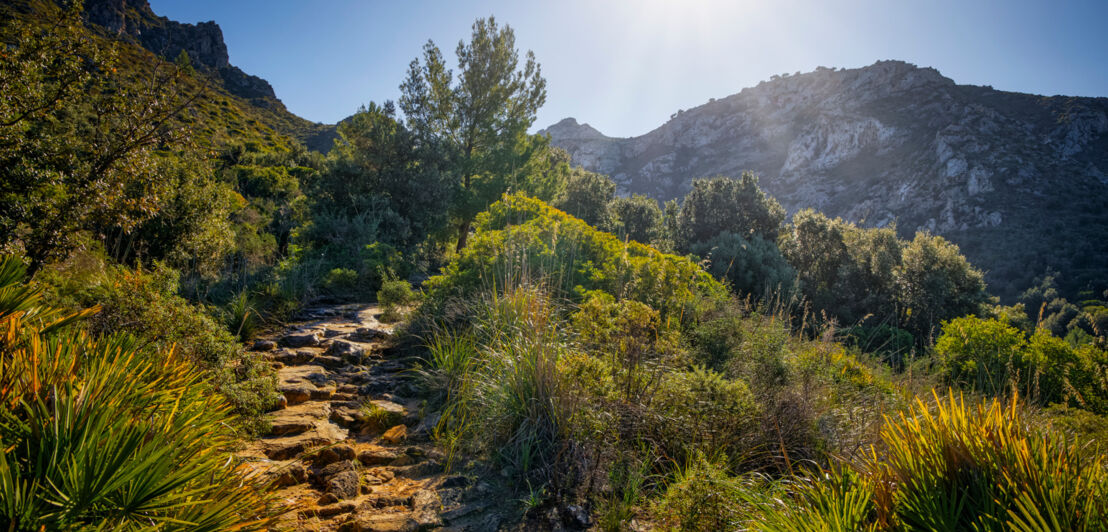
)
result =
(292, 475)
(370, 334)
(333, 469)
(310, 339)
(330, 455)
(343, 485)
(264, 345)
(295, 394)
(396, 434)
(293, 358)
(346, 349)
(376, 457)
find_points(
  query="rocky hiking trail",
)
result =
(349, 450)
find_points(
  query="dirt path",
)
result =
(349, 450)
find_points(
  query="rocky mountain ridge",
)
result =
(1003, 174)
(203, 42)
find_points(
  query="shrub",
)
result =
(146, 305)
(340, 282)
(752, 265)
(890, 344)
(241, 317)
(722, 204)
(980, 354)
(995, 358)
(100, 432)
(505, 398)
(394, 295)
(702, 411)
(703, 496)
(523, 238)
(953, 467)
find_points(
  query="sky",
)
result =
(625, 66)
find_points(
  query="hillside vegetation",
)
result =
(603, 362)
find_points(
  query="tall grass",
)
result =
(499, 385)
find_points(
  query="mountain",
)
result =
(1020, 181)
(240, 106)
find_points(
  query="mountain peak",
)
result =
(888, 143)
(569, 128)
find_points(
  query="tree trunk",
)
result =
(463, 234)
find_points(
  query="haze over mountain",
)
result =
(1005, 175)
(1002, 174)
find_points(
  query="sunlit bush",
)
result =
(109, 432)
(956, 467)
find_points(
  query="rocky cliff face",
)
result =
(203, 42)
(1020, 181)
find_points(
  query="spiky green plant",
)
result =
(953, 467)
(242, 317)
(100, 432)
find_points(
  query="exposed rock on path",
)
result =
(349, 451)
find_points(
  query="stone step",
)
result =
(285, 447)
(300, 418)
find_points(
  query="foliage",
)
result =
(953, 467)
(936, 283)
(701, 497)
(378, 165)
(78, 139)
(722, 204)
(482, 118)
(100, 431)
(521, 237)
(586, 196)
(857, 274)
(636, 218)
(394, 295)
(990, 356)
(146, 305)
(890, 344)
(504, 396)
(752, 266)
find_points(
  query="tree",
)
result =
(481, 118)
(753, 266)
(637, 218)
(816, 246)
(723, 204)
(78, 139)
(377, 165)
(586, 195)
(936, 283)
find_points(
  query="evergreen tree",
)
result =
(482, 116)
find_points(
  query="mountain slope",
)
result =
(243, 105)
(1019, 181)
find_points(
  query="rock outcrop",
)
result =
(133, 19)
(1003, 174)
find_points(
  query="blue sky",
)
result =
(624, 66)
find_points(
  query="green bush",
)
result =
(890, 344)
(109, 432)
(990, 356)
(701, 497)
(340, 282)
(981, 354)
(753, 266)
(394, 296)
(523, 238)
(953, 467)
(146, 305)
(702, 411)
